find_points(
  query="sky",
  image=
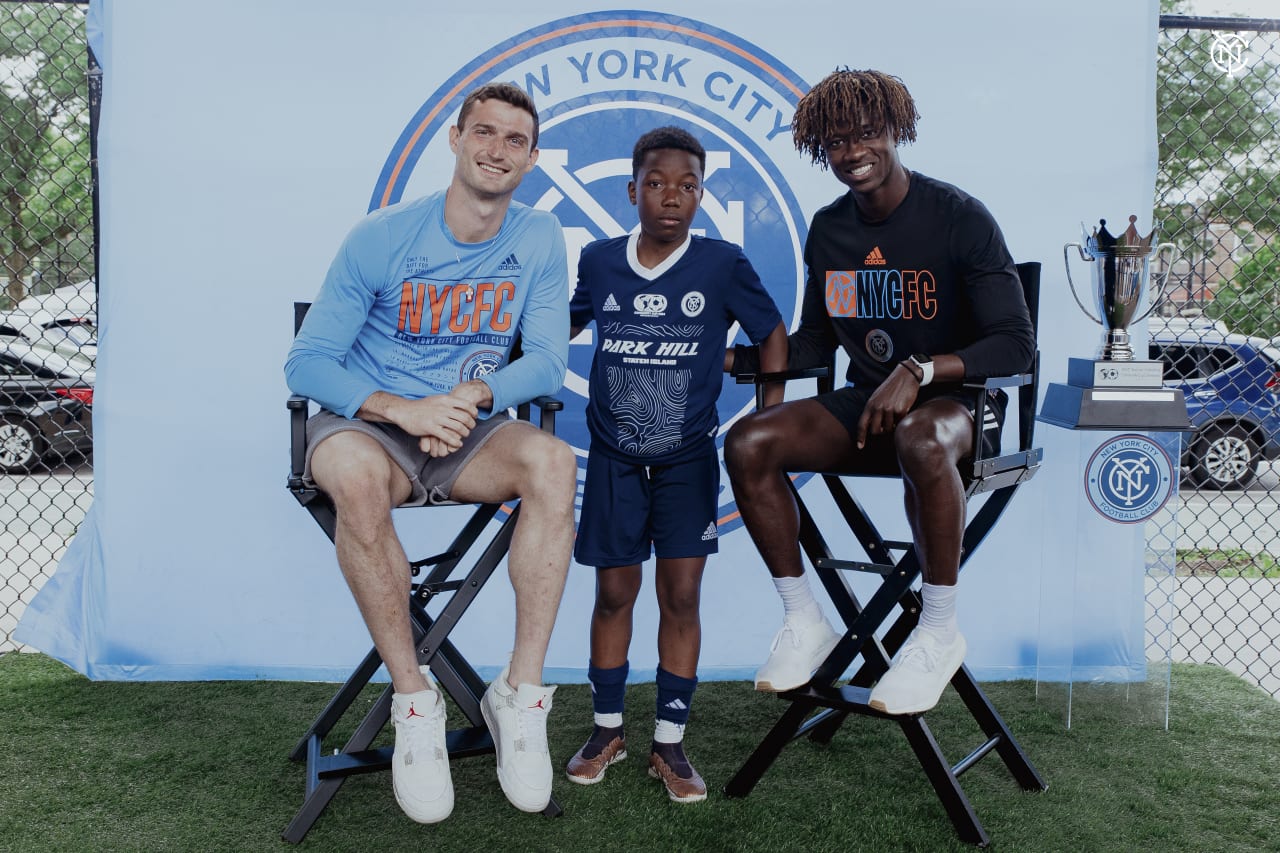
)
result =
(1236, 8)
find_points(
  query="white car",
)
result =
(65, 319)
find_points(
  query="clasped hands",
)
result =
(442, 421)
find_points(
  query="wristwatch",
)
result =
(925, 363)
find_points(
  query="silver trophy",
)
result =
(1121, 276)
(1115, 390)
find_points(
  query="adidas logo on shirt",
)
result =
(611, 304)
(874, 258)
(710, 533)
(509, 264)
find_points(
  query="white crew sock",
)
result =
(798, 604)
(938, 616)
(608, 721)
(665, 731)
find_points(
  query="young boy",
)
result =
(663, 303)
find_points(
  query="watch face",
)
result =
(921, 359)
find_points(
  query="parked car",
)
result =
(46, 403)
(1232, 386)
(70, 334)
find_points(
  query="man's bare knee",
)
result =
(748, 446)
(929, 446)
(550, 471)
(357, 473)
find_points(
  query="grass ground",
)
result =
(203, 766)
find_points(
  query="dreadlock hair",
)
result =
(508, 94)
(666, 137)
(848, 98)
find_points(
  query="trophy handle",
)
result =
(1152, 290)
(1066, 260)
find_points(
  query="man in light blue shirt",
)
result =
(408, 350)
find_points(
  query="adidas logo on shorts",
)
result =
(710, 533)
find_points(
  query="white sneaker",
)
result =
(420, 763)
(517, 720)
(919, 674)
(797, 651)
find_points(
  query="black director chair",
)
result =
(999, 478)
(327, 770)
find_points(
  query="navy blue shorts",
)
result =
(879, 456)
(631, 511)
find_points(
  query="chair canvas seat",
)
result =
(818, 709)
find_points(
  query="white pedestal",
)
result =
(1106, 624)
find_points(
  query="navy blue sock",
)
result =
(608, 688)
(675, 696)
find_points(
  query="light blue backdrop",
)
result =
(240, 141)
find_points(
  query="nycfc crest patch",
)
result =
(879, 345)
(600, 80)
(1129, 479)
(481, 364)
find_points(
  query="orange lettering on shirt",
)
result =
(411, 308)
(501, 320)
(928, 304)
(910, 294)
(458, 321)
(484, 303)
(438, 297)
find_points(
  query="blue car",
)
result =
(1232, 386)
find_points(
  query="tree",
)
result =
(1251, 302)
(45, 200)
(1219, 144)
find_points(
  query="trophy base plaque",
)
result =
(1107, 395)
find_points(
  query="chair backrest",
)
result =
(1029, 275)
(300, 310)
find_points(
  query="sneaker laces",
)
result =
(421, 731)
(922, 653)
(533, 730)
(787, 629)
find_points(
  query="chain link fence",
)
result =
(48, 299)
(1215, 326)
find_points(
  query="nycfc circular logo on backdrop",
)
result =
(1129, 479)
(602, 79)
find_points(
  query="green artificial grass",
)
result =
(203, 766)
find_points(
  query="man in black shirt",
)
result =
(912, 278)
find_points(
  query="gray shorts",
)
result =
(431, 478)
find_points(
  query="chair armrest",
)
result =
(820, 372)
(299, 409)
(547, 408)
(992, 382)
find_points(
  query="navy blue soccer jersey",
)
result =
(659, 357)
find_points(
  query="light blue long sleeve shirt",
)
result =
(409, 310)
